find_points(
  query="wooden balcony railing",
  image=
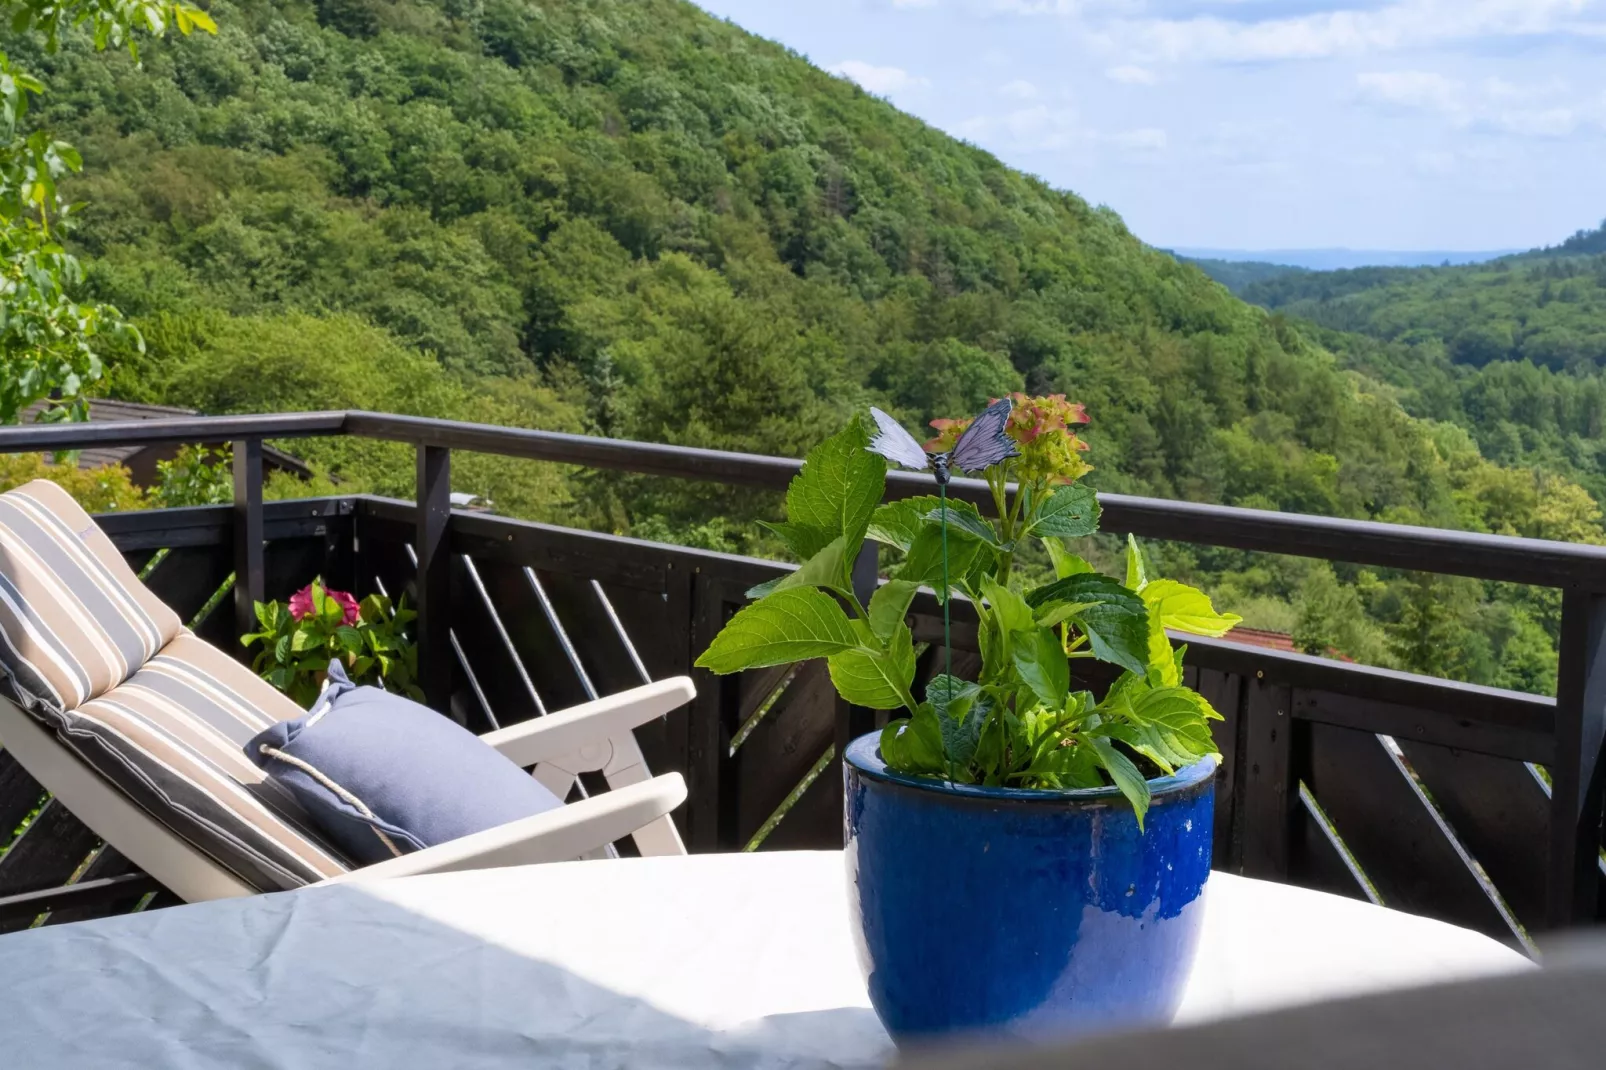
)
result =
(1479, 806)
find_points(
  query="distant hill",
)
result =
(636, 219)
(1339, 259)
(1582, 243)
(1235, 275)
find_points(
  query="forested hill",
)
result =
(632, 218)
(1513, 350)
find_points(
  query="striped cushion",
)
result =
(74, 619)
(173, 736)
(98, 658)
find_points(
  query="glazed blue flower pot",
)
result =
(1033, 914)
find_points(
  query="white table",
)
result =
(715, 960)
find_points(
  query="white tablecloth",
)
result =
(714, 960)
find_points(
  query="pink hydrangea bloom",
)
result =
(301, 604)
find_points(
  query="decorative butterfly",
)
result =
(984, 443)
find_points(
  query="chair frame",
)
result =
(593, 737)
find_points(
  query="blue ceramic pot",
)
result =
(1031, 913)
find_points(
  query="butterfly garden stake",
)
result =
(984, 444)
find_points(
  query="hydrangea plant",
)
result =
(319, 624)
(1021, 722)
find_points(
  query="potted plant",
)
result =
(1023, 855)
(320, 624)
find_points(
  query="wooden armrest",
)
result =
(555, 836)
(567, 731)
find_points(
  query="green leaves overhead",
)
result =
(787, 626)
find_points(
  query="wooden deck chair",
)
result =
(138, 727)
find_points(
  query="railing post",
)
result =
(434, 576)
(854, 721)
(250, 570)
(1576, 783)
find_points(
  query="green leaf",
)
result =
(890, 605)
(1124, 775)
(1065, 563)
(281, 649)
(828, 569)
(897, 523)
(923, 564)
(839, 487)
(1115, 621)
(914, 745)
(349, 638)
(787, 626)
(1041, 662)
(1187, 609)
(1163, 668)
(1137, 570)
(1165, 724)
(1010, 610)
(803, 540)
(876, 679)
(1059, 612)
(966, 520)
(1071, 512)
(962, 708)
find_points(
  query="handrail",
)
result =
(1571, 731)
(1537, 562)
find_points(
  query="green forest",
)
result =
(633, 219)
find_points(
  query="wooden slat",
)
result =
(189, 575)
(1500, 812)
(19, 795)
(1225, 691)
(44, 856)
(95, 898)
(535, 642)
(1268, 780)
(783, 747)
(1314, 857)
(1393, 832)
(108, 864)
(814, 823)
(504, 681)
(1502, 723)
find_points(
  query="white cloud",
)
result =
(1145, 139)
(1038, 128)
(1019, 89)
(1494, 105)
(875, 79)
(1402, 25)
(1127, 74)
(914, 3)
(1412, 89)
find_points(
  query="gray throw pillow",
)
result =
(383, 776)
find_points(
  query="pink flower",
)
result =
(301, 606)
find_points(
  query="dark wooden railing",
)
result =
(1479, 806)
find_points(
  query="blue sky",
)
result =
(1254, 124)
